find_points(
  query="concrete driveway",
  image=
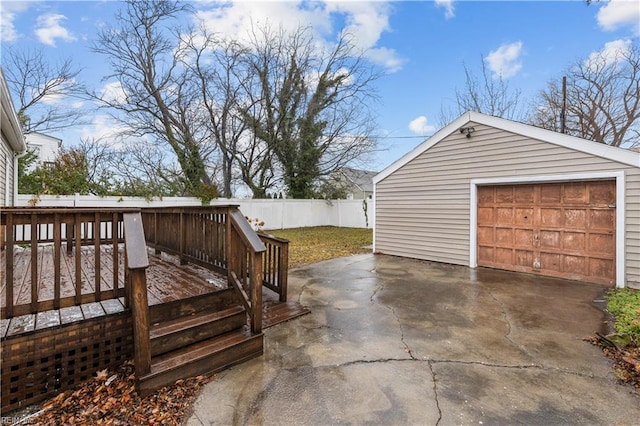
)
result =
(398, 341)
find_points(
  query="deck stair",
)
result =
(200, 335)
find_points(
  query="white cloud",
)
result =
(103, 129)
(505, 60)
(420, 126)
(10, 11)
(113, 92)
(447, 5)
(385, 57)
(611, 53)
(619, 13)
(364, 21)
(49, 28)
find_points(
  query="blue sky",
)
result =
(420, 45)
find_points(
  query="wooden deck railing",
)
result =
(198, 235)
(245, 266)
(39, 244)
(275, 264)
(194, 234)
(221, 239)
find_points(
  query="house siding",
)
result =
(6, 174)
(423, 208)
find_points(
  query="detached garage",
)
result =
(485, 191)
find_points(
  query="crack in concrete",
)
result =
(376, 290)
(505, 315)
(432, 361)
(435, 391)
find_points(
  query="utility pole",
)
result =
(563, 112)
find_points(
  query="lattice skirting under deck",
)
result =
(43, 363)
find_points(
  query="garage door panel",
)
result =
(551, 194)
(575, 193)
(523, 237)
(551, 217)
(556, 229)
(523, 258)
(504, 255)
(504, 215)
(575, 265)
(486, 194)
(574, 241)
(504, 236)
(485, 216)
(485, 255)
(575, 218)
(601, 268)
(601, 193)
(551, 262)
(524, 216)
(485, 235)
(601, 219)
(504, 194)
(601, 243)
(551, 240)
(524, 194)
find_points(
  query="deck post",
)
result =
(137, 263)
(256, 292)
(283, 271)
(140, 310)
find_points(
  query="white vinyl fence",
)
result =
(276, 214)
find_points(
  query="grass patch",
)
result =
(315, 244)
(624, 304)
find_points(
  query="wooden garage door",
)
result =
(557, 229)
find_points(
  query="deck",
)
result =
(167, 280)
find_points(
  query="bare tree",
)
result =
(143, 169)
(602, 99)
(159, 99)
(216, 65)
(42, 90)
(310, 106)
(484, 94)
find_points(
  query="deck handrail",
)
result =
(51, 229)
(197, 234)
(137, 262)
(245, 266)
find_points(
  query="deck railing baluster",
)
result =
(57, 237)
(34, 263)
(77, 223)
(115, 226)
(10, 239)
(97, 236)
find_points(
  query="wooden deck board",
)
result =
(167, 281)
(71, 314)
(166, 278)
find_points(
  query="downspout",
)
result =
(16, 157)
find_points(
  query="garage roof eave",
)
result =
(594, 148)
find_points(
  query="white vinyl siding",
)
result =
(6, 174)
(422, 208)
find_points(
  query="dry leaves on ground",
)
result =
(626, 361)
(111, 399)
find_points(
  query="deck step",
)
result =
(205, 357)
(217, 300)
(185, 330)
